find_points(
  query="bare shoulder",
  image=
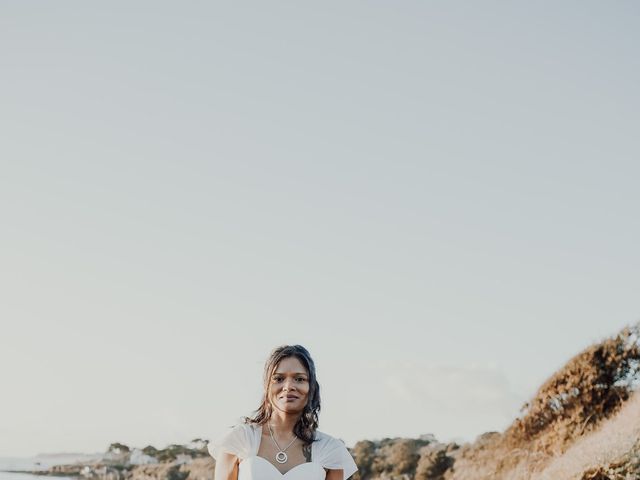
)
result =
(334, 474)
(226, 467)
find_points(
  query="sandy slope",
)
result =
(613, 439)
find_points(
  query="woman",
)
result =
(281, 442)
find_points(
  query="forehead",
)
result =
(290, 365)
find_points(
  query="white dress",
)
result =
(244, 441)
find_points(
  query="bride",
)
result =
(281, 442)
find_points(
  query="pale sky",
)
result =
(438, 199)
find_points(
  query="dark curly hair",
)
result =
(307, 424)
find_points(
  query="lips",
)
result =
(288, 397)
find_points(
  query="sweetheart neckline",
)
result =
(258, 432)
(276, 468)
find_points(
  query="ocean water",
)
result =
(21, 476)
(40, 462)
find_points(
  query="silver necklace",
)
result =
(281, 456)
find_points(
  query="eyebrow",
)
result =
(296, 373)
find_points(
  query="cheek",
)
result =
(273, 392)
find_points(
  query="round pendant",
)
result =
(281, 457)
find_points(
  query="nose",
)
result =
(288, 383)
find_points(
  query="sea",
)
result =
(39, 462)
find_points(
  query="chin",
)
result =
(291, 409)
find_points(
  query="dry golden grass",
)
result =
(608, 446)
(581, 418)
(583, 423)
(590, 388)
(613, 440)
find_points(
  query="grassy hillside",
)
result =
(583, 424)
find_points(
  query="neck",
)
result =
(283, 423)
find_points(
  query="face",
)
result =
(289, 386)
